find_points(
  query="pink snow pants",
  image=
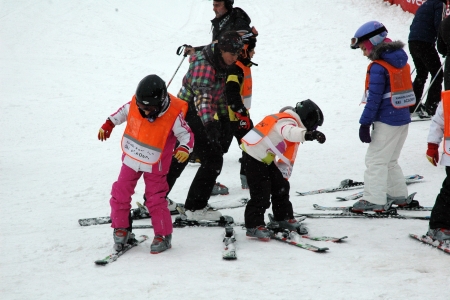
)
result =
(156, 188)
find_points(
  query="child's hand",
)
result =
(105, 131)
(433, 153)
(181, 154)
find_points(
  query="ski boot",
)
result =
(122, 237)
(260, 232)
(219, 189)
(403, 202)
(207, 213)
(161, 243)
(289, 225)
(439, 234)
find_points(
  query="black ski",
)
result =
(350, 215)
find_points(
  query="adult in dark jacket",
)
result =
(228, 18)
(443, 46)
(422, 46)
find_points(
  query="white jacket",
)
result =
(284, 129)
(437, 132)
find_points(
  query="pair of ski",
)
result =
(290, 237)
(141, 212)
(348, 184)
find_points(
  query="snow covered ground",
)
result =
(66, 65)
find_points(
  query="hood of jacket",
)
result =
(391, 52)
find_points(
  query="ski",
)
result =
(347, 208)
(434, 243)
(324, 238)
(229, 251)
(348, 184)
(349, 215)
(182, 221)
(291, 238)
(141, 213)
(115, 255)
(409, 180)
(345, 184)
(228, 205)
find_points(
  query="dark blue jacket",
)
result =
(377, 108)
(425, 25)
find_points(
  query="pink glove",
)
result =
(433, 153)
(105, 131)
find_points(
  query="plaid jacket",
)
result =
(201, 85)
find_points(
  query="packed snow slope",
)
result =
(67, 65)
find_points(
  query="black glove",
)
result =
(213, 134)
(364, 133)
(315, 135)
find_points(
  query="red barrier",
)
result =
(408, 5)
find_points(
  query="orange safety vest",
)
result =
(260, 132)
(446, 111)
(144, 141)
(246, 87)
(402, 93)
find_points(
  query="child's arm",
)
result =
(116, 118)
(185, 137)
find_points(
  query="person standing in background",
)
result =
(422, 47)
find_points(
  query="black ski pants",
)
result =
(265, 181)
(238, 133)
(211, 161)
(426, 60)
(440, 215)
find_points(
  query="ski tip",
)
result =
(101, 263)
(300, 194)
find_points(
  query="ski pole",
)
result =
(434, 78)
(179, 50)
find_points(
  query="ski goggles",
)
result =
(356, 40)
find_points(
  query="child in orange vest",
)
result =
(440, 131)
(155, 121)
(276, 135)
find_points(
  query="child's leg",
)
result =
(258, 180)
(385, 139)
(440, 215)
(156, 188)
(121, 193)
(396, 187)
(280, 187)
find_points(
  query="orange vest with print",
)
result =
(143, 140)
(260, 132)
(446, 111)
(402, 94)
(246, 90)
(246, 87)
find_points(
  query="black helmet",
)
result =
(231, 41)
(310, 114)
(151, 91)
